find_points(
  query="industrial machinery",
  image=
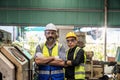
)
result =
(20, 62)
(30, 59)
(15, 62)
(7, 69)
(5, 37)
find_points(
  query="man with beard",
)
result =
(50, 56)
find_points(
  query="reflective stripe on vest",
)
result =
(82, 64)
(52, 72)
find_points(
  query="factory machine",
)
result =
(7, 69)
(15, 62)
(18, 60)
(30, 59)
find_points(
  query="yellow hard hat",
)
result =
(71, 34)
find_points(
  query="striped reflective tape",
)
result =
(52, 72)
(79, 72)
(57, 72)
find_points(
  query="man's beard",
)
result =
(50, 39)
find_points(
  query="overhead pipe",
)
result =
(54, 9)
(59, 9)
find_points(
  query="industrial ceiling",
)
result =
(60, 12)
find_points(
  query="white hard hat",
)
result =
(51, 26)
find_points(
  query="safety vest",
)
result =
(79, 70)
(47, 71)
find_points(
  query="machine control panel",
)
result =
(17, 54)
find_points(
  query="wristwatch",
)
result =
(65, 62)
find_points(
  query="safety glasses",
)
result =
(70, 40)
(50, 32)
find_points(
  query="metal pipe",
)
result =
(55, 9)
(13, 33)
(113, 10)
(105, 25)
(60, 9)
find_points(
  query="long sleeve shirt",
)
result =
(70, 70)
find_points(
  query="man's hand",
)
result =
(67, 63)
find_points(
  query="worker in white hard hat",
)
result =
(50, 56)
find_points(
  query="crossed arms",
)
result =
(49, 61)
